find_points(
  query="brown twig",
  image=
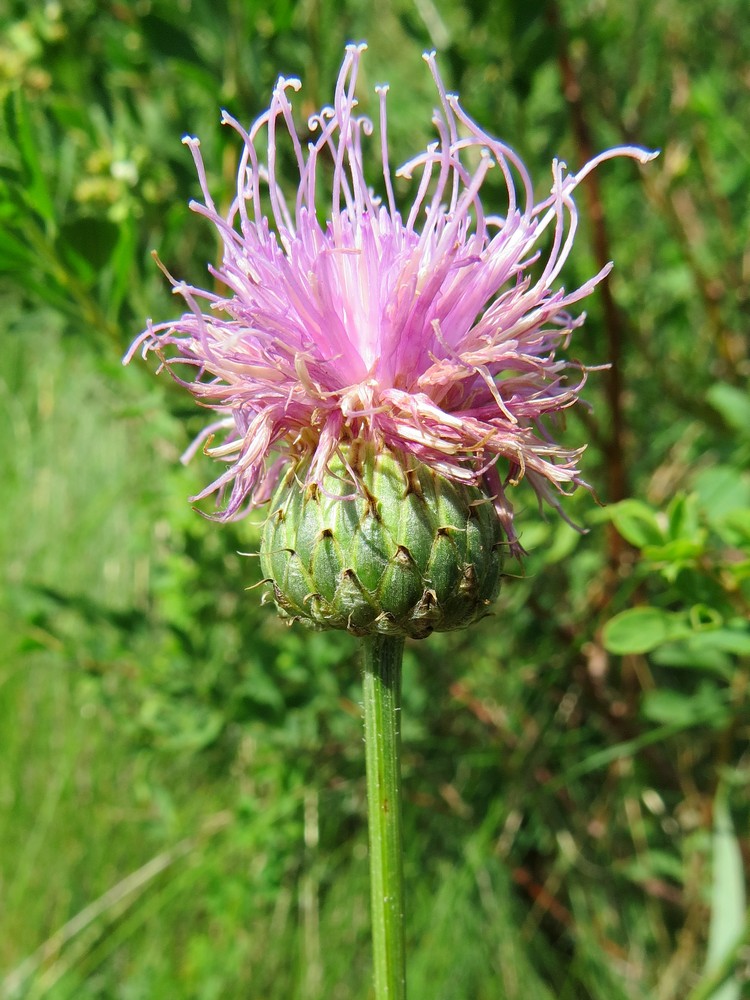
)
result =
(614, 448)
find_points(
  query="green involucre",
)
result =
(413, 553)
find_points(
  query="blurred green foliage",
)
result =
(182, 795)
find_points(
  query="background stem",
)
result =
(382, 699)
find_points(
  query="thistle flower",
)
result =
(433, 334)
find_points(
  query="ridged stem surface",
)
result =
(382, 700)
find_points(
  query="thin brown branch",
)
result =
(617, 484)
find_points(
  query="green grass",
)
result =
(105, 772)
(182, 777)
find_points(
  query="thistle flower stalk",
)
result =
(382, 709)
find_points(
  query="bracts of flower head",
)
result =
(435, 333)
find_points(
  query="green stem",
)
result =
(382, 693)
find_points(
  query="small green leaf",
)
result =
(681, 550)
(639, 630)
(729, 640)
(687, 656)
(636, 522)
(733, 404)
(723, 491)
(710, 649)
(734, 528)
(728, 901)
(705, 707)
(704, 618)
(682, 515)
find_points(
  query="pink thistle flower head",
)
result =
(434, 333)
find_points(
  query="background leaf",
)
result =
(639, 630)
(728, 899)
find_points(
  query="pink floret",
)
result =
(426, 334)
